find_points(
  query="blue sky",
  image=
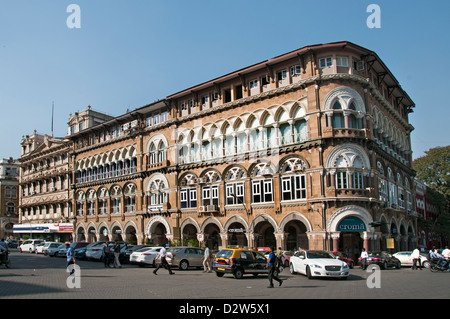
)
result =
(130, 53)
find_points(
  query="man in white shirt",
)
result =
(446, 253)
(162, 254)
(416, 259)
(364, 256)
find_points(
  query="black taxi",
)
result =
(238, 262)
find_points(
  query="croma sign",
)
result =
(351, 224)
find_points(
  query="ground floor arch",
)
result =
(158, 231)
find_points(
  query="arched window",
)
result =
(210, 188)
(262, 183)
(234, 186)
(349, 163)
(130, 197)
(188, 191)
(157, 190)
(293, 180)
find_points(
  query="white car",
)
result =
(95, 250)
(30, 245)
(406, 260)
(315, 263)
(46, 245)
(146, 256)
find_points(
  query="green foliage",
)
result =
(434, 169)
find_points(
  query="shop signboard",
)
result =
(351, 224)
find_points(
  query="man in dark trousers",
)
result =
(162, 254)
(272, 265)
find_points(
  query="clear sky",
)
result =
(127, 54)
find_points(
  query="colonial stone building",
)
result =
(45, 198)
(310, 149)
(9, 196)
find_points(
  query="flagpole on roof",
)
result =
(53, 106)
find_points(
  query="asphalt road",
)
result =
(39, 277)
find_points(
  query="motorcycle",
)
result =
(4, 259)
(436, 265)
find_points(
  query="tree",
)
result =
(434, 170)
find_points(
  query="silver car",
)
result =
(185, 257)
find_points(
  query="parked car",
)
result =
(317, 263)
(382, 259)
(80, 253)
(30, 245)
(52, 251)
(96, 251)
(131, 249)
(344, 257)
(45, 245)
(12, 243)
(238, 262)
(286, 257)
(63, 251)
(145, 256)
(406, 260)
(185, 257)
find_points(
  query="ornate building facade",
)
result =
(45, 198)
(9, 196)
(310, 149)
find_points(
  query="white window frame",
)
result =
(237, 189)
(342, 61)
(325, 62)
(296, 70)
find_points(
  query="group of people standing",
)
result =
(111, 255)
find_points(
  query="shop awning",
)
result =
(43, 228)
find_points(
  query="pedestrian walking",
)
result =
(207, 260)
(272, 265)
(416, 259)
(107, 256)
(162, 255)
(70, 257)
(116, 249)
(364, 256)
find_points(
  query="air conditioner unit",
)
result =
(212, 208)
(202, 209)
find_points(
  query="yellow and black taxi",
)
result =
(239, 261)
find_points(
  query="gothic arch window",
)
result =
(262, 183)
(188, 191)
(157, 190)
(235, 185)
(293, 179)
(103, 199)
(210, 187)
(393, 189)
(349, 164)
(80, 198)
(91, 199)
(116, 196)
(344, 108)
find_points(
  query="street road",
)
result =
(39, 277)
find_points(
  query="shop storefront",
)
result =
(59, 232)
